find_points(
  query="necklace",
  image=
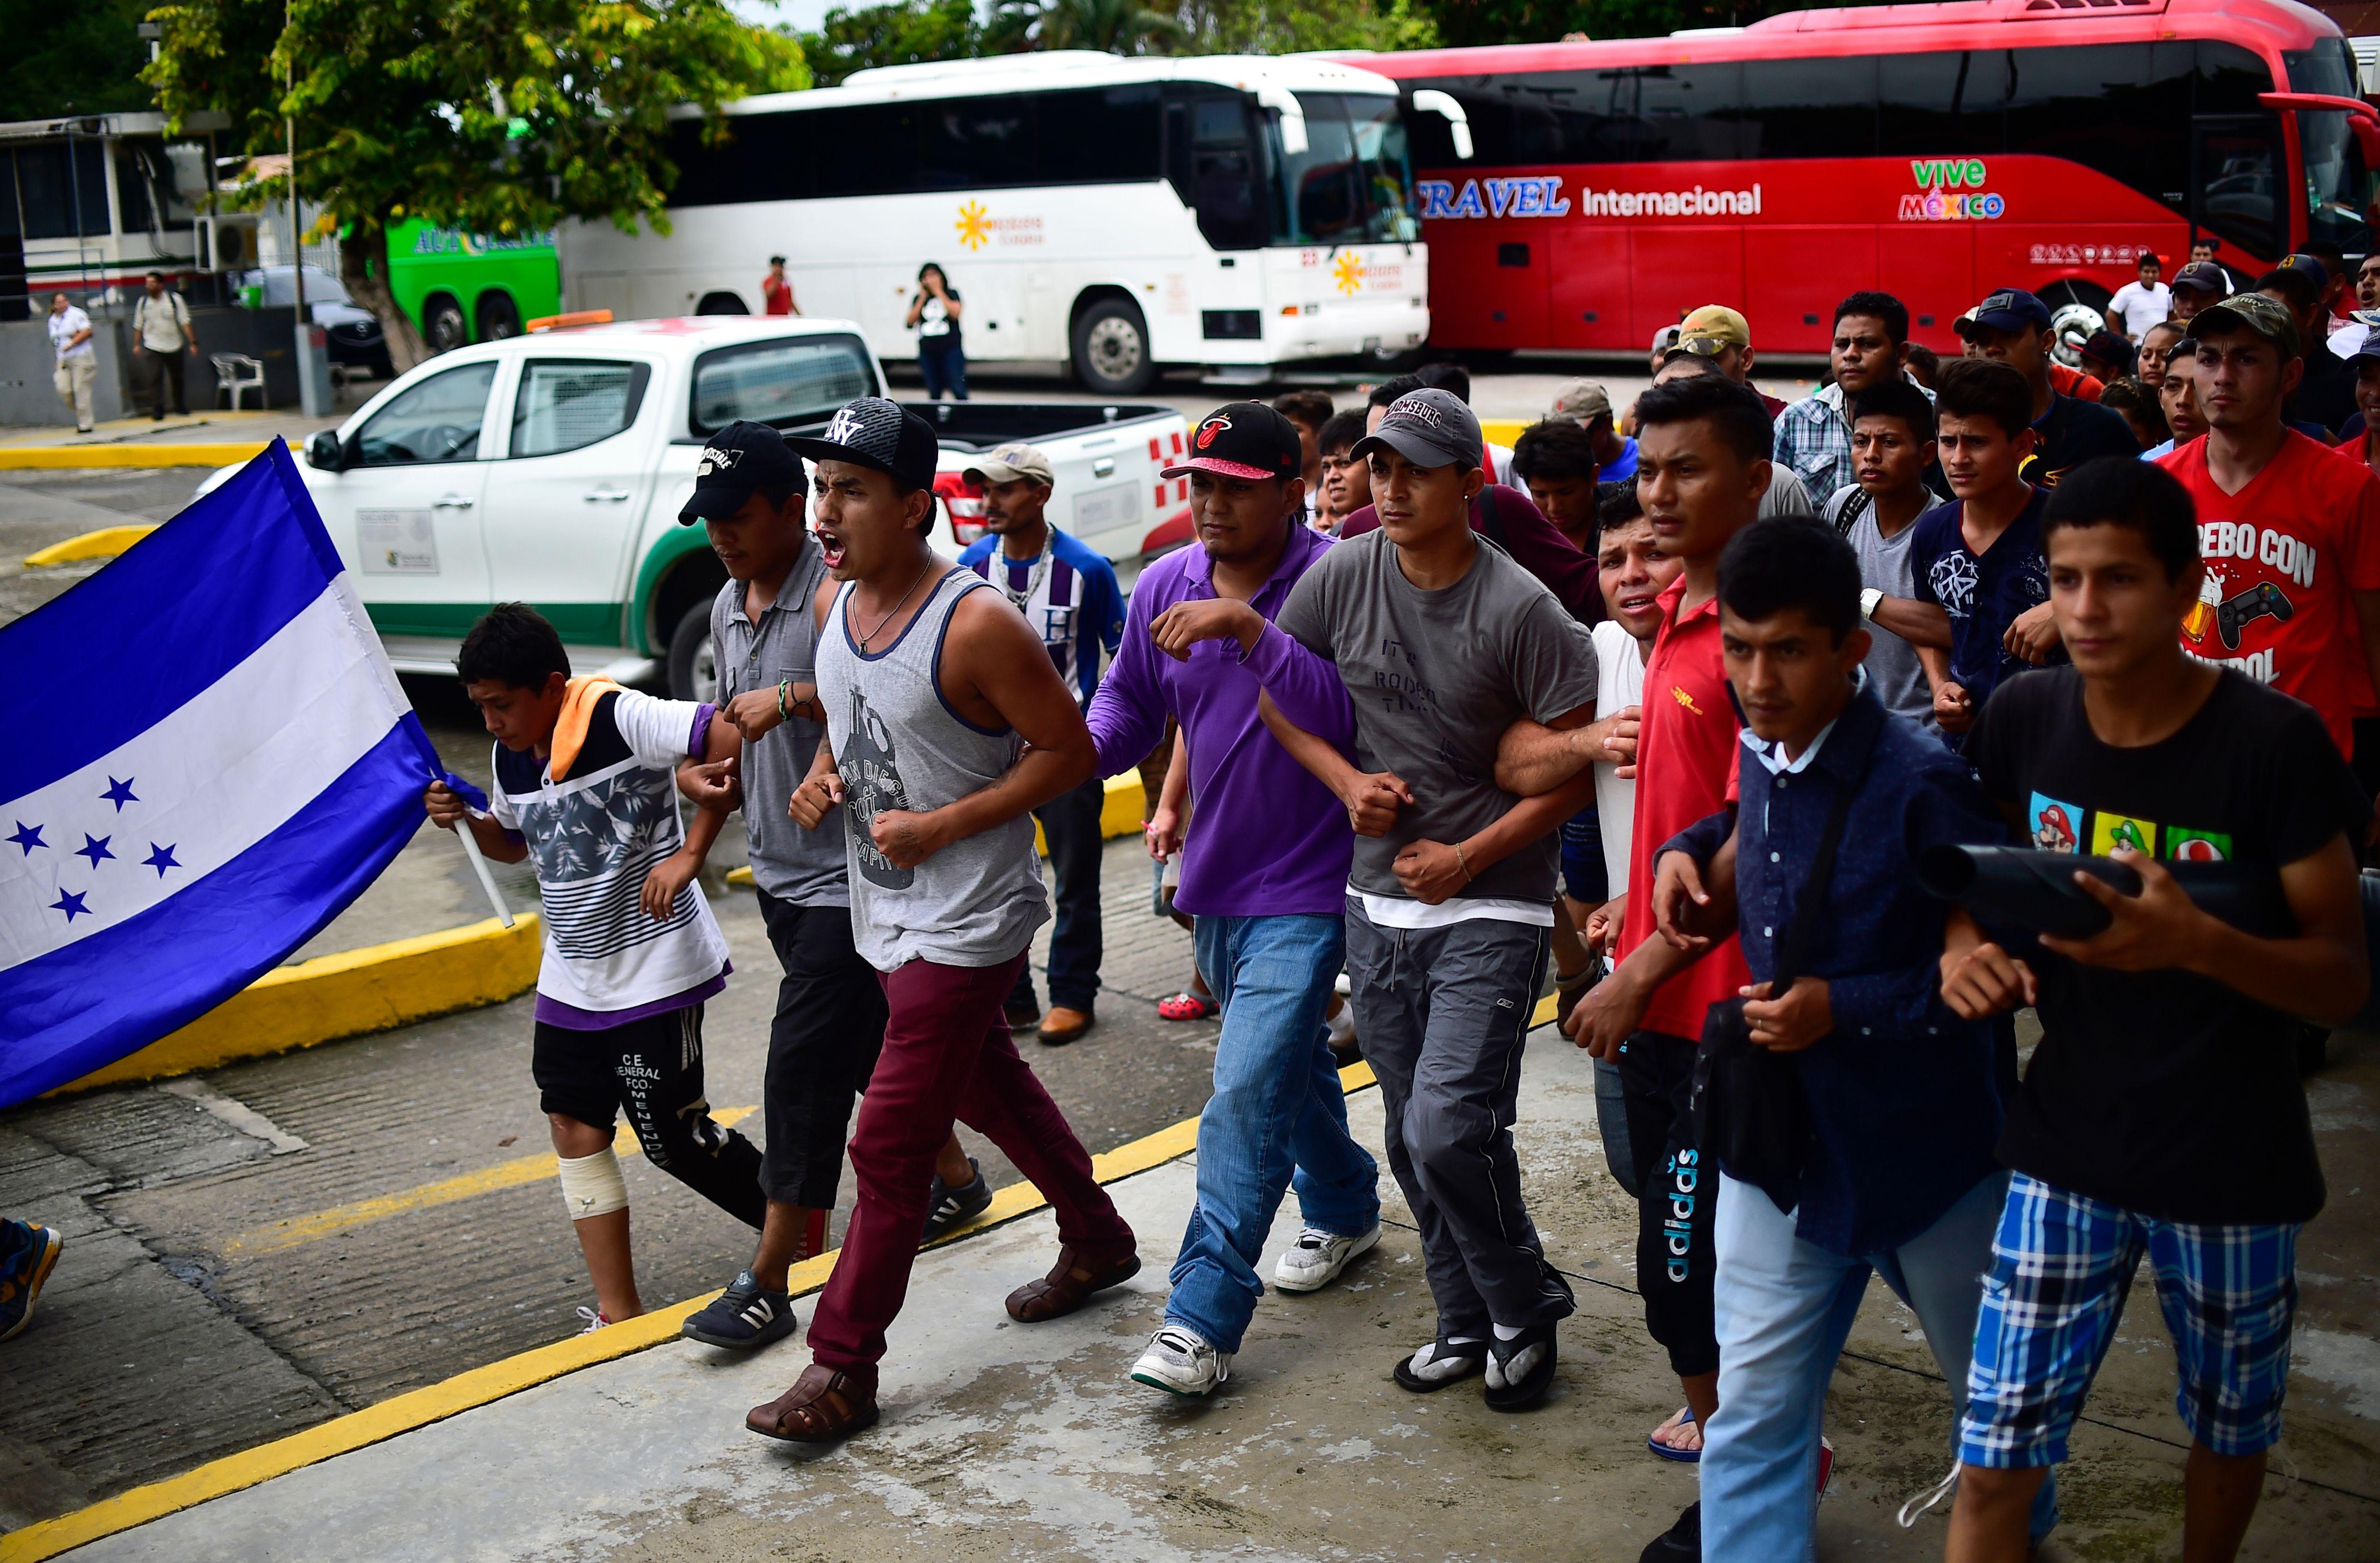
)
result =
(897, 606)
(1034, 576)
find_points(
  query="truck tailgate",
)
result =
(1107, 493)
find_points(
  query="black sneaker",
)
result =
(948, 1208)
(743, 1316)
(1681, 1543)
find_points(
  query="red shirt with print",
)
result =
(1685, 771)
(2285, 557)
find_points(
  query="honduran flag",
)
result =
(206, 758)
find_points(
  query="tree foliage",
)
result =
(495, 116)
(80, 57)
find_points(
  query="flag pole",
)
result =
(480, 866)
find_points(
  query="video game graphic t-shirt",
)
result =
(2163, 1092)
(1982, 593)
(2285, 557)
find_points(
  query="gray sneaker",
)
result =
(1318, 1257)
(1181, 1361)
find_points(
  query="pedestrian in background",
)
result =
(1307, 411)
(934, 311)
(2144, 301)
(162, 338)
(1588, 404)
(1813, 435)
(76, 360)
(776, 293)
(1892, 443)
(1346, 482)
(1068, 593)
(2012, 327)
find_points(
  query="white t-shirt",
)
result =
(1619, 683)
(63, 326)
(2140, 307)
(1499, 464)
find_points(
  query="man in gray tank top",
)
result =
(946, 725)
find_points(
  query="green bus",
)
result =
(467, 287)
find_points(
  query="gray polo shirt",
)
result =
(806, 867)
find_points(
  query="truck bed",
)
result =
(979, 426)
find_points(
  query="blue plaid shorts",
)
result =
(2062, 1266)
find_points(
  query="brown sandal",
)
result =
(1069, 1285)
(822, 1407)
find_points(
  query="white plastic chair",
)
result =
(236, 372)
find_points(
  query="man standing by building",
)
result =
(1268, 887)
(2012, 327)
(1813, 435)
(162, 339)
(76, 358)
(946, 725)
(1068, 593)
(776, 293)
(1588, 404)
(2144, 301)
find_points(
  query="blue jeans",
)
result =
(1784, 1308)
(1277, 1107)
(1070, 823)
(944, 369)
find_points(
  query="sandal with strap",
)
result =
(1471, 1353)
(1070, 1284)
(823, 1407)
(1685, 1418)
(1187, 1006)
(1519, 1393)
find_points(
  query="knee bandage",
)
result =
(592, 1185)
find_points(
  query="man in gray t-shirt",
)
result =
(1414, 648)
(1892, 441)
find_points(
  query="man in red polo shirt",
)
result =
(1702, 450)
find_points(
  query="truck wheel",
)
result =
(692, 669)
(499, 317)
(1110, 346)
(443, 325)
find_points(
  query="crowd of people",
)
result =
(1662, 706)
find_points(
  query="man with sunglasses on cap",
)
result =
(1068, 593)
(1414, 648)
(1267, 885)
(2013, 327)
(946, 725)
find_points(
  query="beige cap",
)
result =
(1581, 401)
(1007, 463)
(1712, 330)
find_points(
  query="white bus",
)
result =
(1121, 215)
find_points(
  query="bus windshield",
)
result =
(1352, 183)
(2337, 184)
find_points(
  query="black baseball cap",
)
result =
(1243, 440)
(1429, 428)
(2203, 276)
(874, 432)
(2007, 308)
(739, 461)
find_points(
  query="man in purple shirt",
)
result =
(1264, 872)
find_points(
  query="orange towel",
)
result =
(570, 732)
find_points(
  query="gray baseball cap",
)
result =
(1582, 400)
(1429, 428)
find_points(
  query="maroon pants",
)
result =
(947, 1055)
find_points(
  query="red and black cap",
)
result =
(1243, 440)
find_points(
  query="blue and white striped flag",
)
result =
(206, 758)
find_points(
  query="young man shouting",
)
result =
(1068, 593)
(1813, 435)
(2161, 1114)
(946, 726)
(1266, 883)
(1892, 443)
(1897, 1177)
(1419, 647)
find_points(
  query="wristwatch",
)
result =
(1868, 599)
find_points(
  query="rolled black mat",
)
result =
(2036, 890)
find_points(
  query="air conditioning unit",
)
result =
(226, 243)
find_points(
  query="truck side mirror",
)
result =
(325, 452)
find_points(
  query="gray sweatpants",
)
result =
(1444, 1013)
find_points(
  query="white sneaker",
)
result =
(1342, 1028)
(1318, 1257)
(593, 1320)
(1180, 1362)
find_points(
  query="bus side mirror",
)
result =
(1283, 102)
(324, 451)
(1429, 100)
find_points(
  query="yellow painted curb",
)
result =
(483, 1385)
(1503, 431)
(344, 995)
(1119, 816)
(105, 543)
(221, 453)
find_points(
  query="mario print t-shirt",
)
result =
(2285, 557)
(2163, 1092)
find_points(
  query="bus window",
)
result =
(1211, 161)
(1098, 135)
(1670, 114)
(1319, 195)
(2238, 183)
(975, 142)
(802, 380)
(1386, 169)
(2339, 187)
(59, 182)
(1808, 108)
(1943, 105)
(2110, 107)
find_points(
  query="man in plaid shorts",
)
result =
(2162, 1112)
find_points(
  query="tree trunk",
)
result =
(363, 266)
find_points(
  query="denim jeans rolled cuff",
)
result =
(1277, 1109)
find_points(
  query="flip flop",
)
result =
(1683, 1457)
(1408, 1379)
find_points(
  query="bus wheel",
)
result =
(1111, 349)
(443, 323)
(499, 317)
(2076, 309)
(692, 666)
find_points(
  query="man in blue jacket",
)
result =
(1897, 1175)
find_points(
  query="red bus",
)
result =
(1585, 195)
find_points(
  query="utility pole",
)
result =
(289, 122)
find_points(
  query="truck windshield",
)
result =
(1353, 183)
(798, 381)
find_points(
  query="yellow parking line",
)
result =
(105, 543)
(297, 1229)
(464, 1392)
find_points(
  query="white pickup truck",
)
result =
(550, 468)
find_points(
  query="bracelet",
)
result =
(784, 689)
(1459, 863)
